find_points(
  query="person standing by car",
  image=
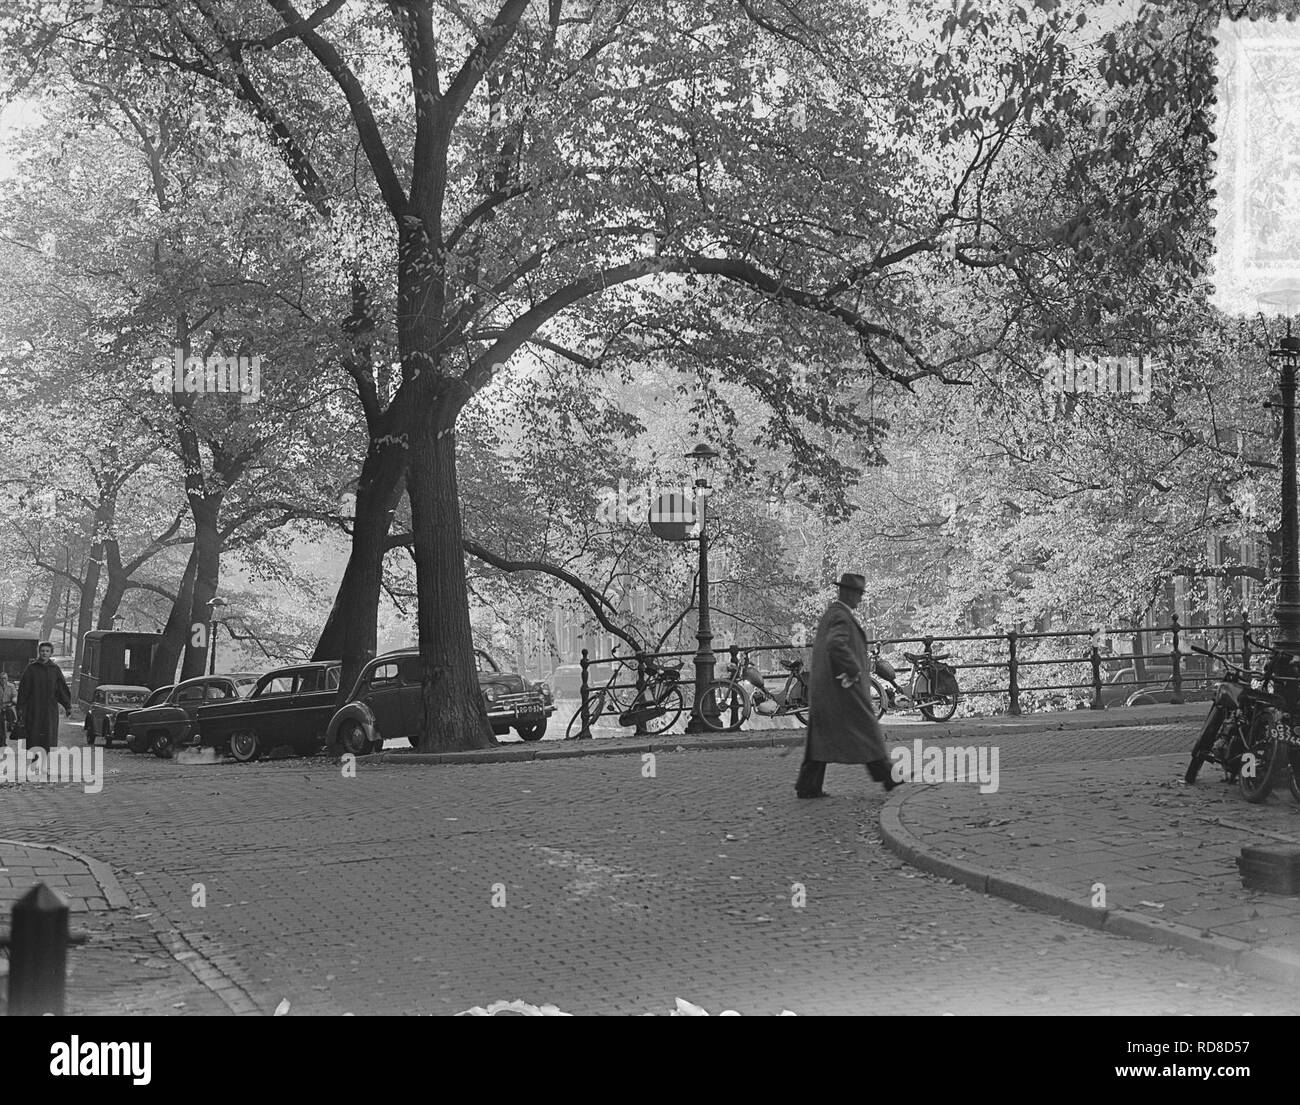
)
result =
(8, 711)
(842, 726)
(40, 694)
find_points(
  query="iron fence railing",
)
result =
(1011, 652)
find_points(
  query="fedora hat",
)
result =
(852, 581)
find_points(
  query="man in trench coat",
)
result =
(40, 694)
(842, 726)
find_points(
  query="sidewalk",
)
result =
(1118, 844)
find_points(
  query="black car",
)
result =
(107, 702)
(289, 706)
(164, 725)
(385, 703)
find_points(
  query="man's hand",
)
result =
(847, 680)
(67, 710)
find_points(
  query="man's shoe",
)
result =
(819, 794)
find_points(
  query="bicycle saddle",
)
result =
(653, 665)
(792, 665)
(921, 657)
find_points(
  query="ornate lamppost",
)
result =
(702, 459)
(214, 606)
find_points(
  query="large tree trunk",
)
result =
(351, 632)
(51, 615)
(21, 616)
(206, 556)
(176, 633)
(455, 716)
(115, 587)
(100, 525)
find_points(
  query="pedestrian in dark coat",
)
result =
(40, 694)
(842, 725)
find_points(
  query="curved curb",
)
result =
(1272, 963)
(562, 750)
(100, 871)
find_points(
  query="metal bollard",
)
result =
(1013, 686)
(584, 733)
(38, 954)
(1095, 659)
(1177, 696)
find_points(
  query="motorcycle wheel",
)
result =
(1295, 773)
(1209, 733)
(1268, 753)
(879, 697)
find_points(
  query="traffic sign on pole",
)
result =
(673, 515)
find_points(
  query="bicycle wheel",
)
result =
(1295, 772)
(942, 697)
(718, 702)
(672, 703)
(595, 707)
(1268, 753)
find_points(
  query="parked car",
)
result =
(1195, 688)
(287, 706)
(108, 702)
(170, 723)
(566, 680)
(122, 719)
(385, 703)
(1121, 685)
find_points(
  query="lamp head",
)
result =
(702, 459)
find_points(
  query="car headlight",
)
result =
(490, 693)
(545, 688)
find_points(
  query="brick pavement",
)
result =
(375, 894)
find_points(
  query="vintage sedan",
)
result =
(289, 706)
(385, 703)
(169, 724)
(108, 702)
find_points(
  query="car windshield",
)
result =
(124, 698)
(485, 661)
(160, 695)
(244, 686)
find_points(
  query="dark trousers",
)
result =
(812, 773)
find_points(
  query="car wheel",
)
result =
(90, 732)
(352, 738)
(531, 732)
(244, 746)
(162, 746)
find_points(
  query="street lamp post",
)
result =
(214, 605)
(702, 458)
(1287, 354)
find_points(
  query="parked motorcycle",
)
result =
(932, 690)
(1247, 732)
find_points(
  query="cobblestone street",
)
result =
(620, 893)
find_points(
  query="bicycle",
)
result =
(657, 708)
(933, 689)
(728, 703)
